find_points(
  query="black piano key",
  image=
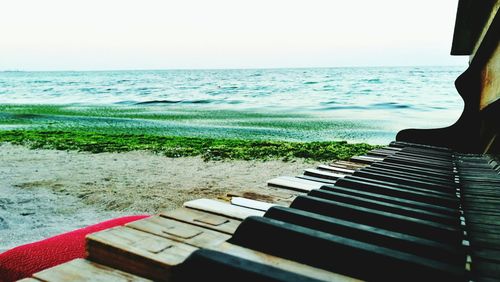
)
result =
(405, 181)
(388, 199)
(427, 152)
(428, 198)
(411, 176)
(386, 207)
(423, 166)
(425, 156)
(339, 254)
(406, 161)
(437, 173)
(442, 175)
(412, 155)
(487, 269)
(394, 222)
(402, 144)
(369, 234)
(210, 265)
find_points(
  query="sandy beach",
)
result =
(46, 192)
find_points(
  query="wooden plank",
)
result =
(207, 220)
(284, 264)
(137, 252)
(221, 208)
(336, 169)
(80, 270)
(179, 231)
(294, 183)
(490, 82)
(347, 164)
(251, 204)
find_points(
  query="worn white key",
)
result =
(324, 174)
(336, 169)
(218, 207)
(251, 204)
(294, 183)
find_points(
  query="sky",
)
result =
(192, 34)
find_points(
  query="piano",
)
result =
(424, 208)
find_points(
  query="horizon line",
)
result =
(223, 68)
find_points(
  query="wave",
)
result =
(201, 101)
(390, 105)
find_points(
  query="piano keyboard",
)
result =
(406, 212)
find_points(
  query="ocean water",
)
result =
(387, 98)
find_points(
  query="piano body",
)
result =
(423, 208)
(477, 30)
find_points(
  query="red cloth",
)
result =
(25, 260)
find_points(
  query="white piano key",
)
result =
(221, 208)
(294, 183)
(325, 174)
(251, 204)
(336, 169)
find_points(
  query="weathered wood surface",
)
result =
(221, 208)
(251, 204)
(203, 219)
(269, 195)
(80, 270)
(348, 164)
(179, 231)
(490, 80)
(137, 252)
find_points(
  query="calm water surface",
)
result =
(390, 97)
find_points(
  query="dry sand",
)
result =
(46, 192)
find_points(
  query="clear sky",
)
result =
(164, 34)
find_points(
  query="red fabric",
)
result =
(25, 260)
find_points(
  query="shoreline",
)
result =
(65, 168)
(47, 192)
(181, 146)
(199, 122)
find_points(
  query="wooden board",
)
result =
(294, 183)
(221, 208)
(137, 252)
(179, 231)
(251, 204)
(281, 263)
(347, 164)
(80, 270)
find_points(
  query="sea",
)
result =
(390, 98)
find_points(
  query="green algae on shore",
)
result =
(194, 122)
(177, 146)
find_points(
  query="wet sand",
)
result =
(47, 192)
